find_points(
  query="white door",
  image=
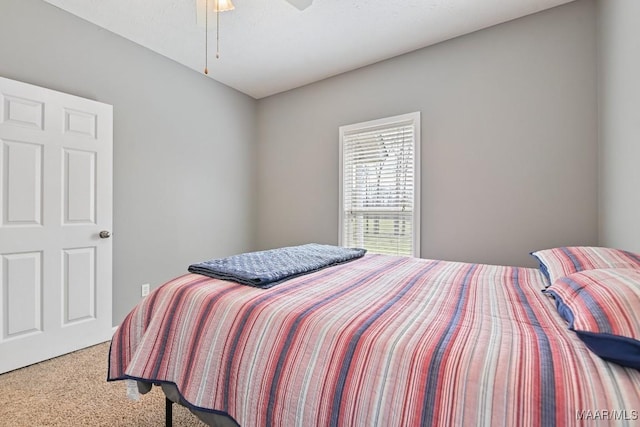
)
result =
(55, 199)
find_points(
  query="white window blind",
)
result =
(379, 208)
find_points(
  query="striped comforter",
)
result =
(380, 341)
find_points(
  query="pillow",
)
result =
(561, 262)
(603, 309)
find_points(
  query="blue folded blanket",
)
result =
(265, 269)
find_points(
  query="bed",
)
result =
(395, 341)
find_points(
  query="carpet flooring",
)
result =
(72, 390)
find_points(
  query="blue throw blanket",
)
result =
(265, 269)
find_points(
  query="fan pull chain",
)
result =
(206, 37)
(217, 32)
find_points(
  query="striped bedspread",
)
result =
(380, 341)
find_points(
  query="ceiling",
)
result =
(270, 46)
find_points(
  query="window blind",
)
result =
(379, 192)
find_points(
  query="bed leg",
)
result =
(168, 412)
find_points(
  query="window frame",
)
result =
(411, 119)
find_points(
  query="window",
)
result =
(379, 185)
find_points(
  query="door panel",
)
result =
(55, 198)
(24, 112)
(22, 294)
(79, 187)
(79, 284)
(22, 179)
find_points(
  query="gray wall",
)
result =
(619, 108)
(509, 144)
(183, 144)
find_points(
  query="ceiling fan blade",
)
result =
(300, 4)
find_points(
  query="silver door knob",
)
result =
(104, 234)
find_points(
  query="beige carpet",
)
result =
(72, 390)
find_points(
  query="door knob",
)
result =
(104, 234)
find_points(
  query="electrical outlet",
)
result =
(144, 290)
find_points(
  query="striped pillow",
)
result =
(603, 309)
(561, 262)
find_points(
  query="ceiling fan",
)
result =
(217, 6)
(300, 4)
